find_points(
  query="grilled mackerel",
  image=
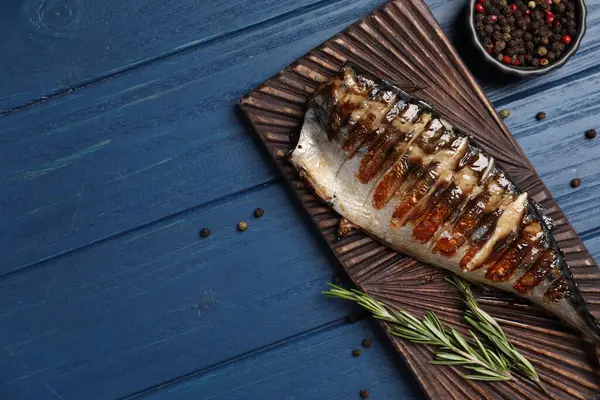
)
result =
(389, 165)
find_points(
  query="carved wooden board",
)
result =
(403, 43)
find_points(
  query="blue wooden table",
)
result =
(120, 140)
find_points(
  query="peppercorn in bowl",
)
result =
(527, 37)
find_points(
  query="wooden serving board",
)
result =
(402, 42)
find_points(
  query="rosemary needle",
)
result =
(489, 327)
(481, 362)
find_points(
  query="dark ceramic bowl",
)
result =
(523, 72)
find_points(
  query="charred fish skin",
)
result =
(388, 164)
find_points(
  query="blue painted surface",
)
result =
(107, 291)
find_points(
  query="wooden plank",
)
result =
(145, 145)
(159, 303)
(262, 375)
(54, 46)
(142, 146)
(319, 366)
(162, 173)
(558, 148)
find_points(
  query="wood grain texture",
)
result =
(59, 45)
(143, 146)
(155, 141)
(288, 371)
(113, 317)
(160, 303)
(428, 61)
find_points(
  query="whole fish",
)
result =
(389, 165)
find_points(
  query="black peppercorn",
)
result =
(561, 8)
(497, 35)
(551, 56)
(479, 17)
(489, 29)
(364, 394)
(540, 116)
(521, 60)
(537, 15)
(511, 19)
(204, 233)
(590, 133)
(557, 27)
(259, 212)
(560, 47)
(502, 20)
(575, 183)
(479, 26)
(356, 352)
(367, 343)
(527, 36)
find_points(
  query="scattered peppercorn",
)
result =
(242, 226)
(504, 114)
(204, 233)
(355, 316)
(259, 212)
(575, 183)
(540, 116)
(590, 133)
(367, 343)
(356, 352)
(364, 394)
(335, 279)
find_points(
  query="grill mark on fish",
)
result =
(507, 223)
(466, 224)
(537, 273)
(374, 116)
(473, 171)
(558, 290)
(399, 134)
(457, 210)
(480, 236)
(444, 157)
(510, 260)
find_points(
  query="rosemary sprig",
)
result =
(486, 364)
(489, 327)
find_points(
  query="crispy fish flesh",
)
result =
(388, 164)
